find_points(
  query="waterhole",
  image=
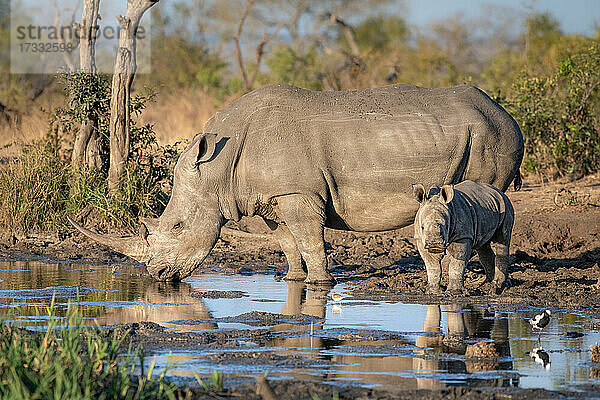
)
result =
(342, 341)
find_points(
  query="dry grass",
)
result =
(180, 115)
(32, 126)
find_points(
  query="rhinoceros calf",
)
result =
(455, 219)
(306, 160)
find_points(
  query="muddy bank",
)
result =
(307, 390)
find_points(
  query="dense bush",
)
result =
(559, 116)
(34, 189)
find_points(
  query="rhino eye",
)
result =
(178, 227)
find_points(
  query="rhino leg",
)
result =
(287, 242)
(487, 259)
(433, 267)
(459, 254)
(501, 278)
(455, 339)
(305, 218)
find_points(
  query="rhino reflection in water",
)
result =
(463, 323)
(164, 303)
(305, 160)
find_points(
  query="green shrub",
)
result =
(559, 116)
(288, 66)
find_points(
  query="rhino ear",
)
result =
(446, 194)
(206, 147)
(419, 192)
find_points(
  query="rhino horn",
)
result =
(132, 246)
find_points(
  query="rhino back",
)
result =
(478, 211)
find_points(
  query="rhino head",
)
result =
(175, 244)
(432, 221)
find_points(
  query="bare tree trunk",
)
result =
(124, 73)
(86, 149)
(88, 29)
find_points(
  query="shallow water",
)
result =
(364, 342)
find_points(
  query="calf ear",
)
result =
(419, 192)
(447, 193)
(206, 147)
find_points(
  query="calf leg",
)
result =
(502, 246)
(433, 267)
(501, 278)
(296, 268)
(305, 218)
(487, 259)
(459, 254)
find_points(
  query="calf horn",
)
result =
(132, 246)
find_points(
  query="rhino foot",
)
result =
(499, 286)
(295, 276)
(461, 291)
(433, 289)
(319, 279)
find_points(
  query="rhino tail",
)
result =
(518, 181)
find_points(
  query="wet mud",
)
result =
(387, 338)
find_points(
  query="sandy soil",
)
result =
(555, 263)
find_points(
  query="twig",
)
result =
(238, 51)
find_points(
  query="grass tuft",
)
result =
(33, 189)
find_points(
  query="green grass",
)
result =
(69, 361)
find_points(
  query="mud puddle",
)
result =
(246, 325)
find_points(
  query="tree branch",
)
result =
(260, 51)
(65, 54)
(238, 51)
(348, 33)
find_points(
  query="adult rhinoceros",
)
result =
(306, 160)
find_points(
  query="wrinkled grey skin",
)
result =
(305, 160)
(456, 219)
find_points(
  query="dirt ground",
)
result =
(555, 255)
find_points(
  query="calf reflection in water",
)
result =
(463, 323)
(360, 361)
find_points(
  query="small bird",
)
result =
(337, 297)
(540, 357)
(540, 321)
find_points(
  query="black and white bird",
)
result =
(540, 357)
(540, 321)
